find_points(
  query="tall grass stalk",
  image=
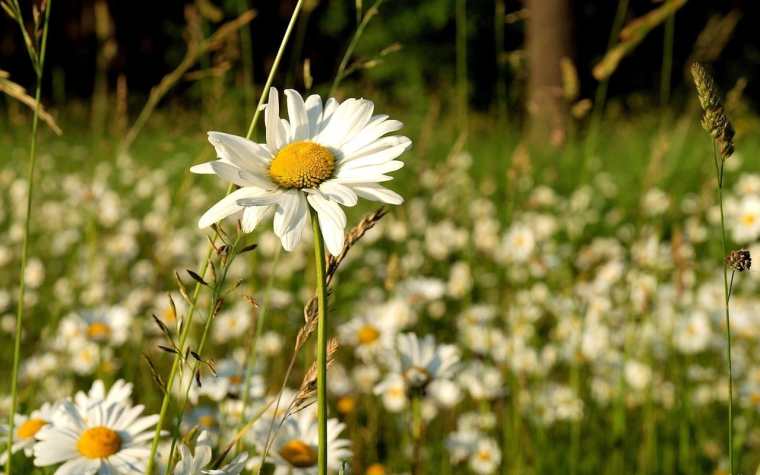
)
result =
(186, 328)
(341, 73)
(727, 298)
(600, 97)
(214, 306)
(320, 269)
(715, 121)
(38, 62)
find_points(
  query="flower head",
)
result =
(324, 156)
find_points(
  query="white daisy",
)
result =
(120, 392)
(195, 463)
(27, 427)
(421, 361)
(104, 439)
(295, 447)
(323, 156)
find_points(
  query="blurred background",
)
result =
(560, 228)
(414, 52)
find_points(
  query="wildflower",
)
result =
(195, 463)
(323, 157)
(103, 439)
(27, 427)
(295, 447)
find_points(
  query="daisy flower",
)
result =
(194, 464)
(27, 427)
(120, 392)
(421, 361)
(324, 156)
(296, 445)
(103, 439)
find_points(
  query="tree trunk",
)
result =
(548, 40)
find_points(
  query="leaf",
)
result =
(197, 278)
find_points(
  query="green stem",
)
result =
(176, 363)
(250, 365)
(319, 261)
(217, 290)
(38, 68)
(728, 318)
(372, 11)
(275, 65)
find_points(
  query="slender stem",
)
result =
(319, 261)
(176, 364)
(371, 11)
(38, 68)
(417, 435)
(727, 297)
(250, 360)
(216, 293)
(275, 65)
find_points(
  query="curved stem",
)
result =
(275, 65)
(341, 73)
(38, 68)
(319, 261)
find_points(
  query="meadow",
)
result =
(524, 311)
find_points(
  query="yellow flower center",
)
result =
(207, 421)
(346, 405)
(169, 315)
(29, 429)
(235, 379)
(98, 330)
(484, 455)
(299, 454)
(302, 164)
(367, 334)
(748, 219)
(375, 469)
(98, 442)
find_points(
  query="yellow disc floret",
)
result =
(302, 164)
(29, 429)
(98, 331)
(98, 442)
(367, 334)
(299, 454)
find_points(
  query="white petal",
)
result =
(375, 192)
(226, 206)
(239, 176)
(275, 139)
(368, 171)
(313, 106)
(202, 168)
(339, 193)
(286, 214)
(299, 121)
(292, 237)
(252, 215)
(240, 151)
(348, 119)
(373, 131)
(332, 222)
(384, 149)
(264, 199)
(331, 105)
